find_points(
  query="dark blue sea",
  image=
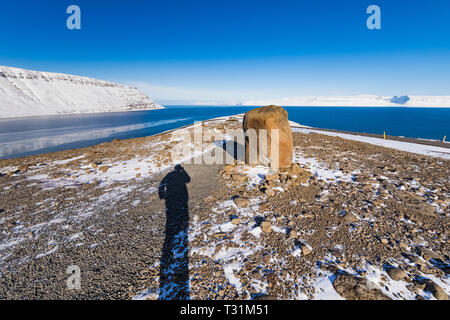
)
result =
(27, 136)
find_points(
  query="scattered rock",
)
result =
(271, 177)
(269, 192)
(236, 221)
(23, 168)
(265, 297)
(103, 169)
(239, 177)
(350, 217)
(436, 290)
(305, 249)
(356, 288)
(266, 227)
(396, 273)
(293, 234)
(241, 202)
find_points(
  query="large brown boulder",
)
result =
(269, 117)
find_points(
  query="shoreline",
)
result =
(344, 210)
(434, 143)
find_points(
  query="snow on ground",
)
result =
(320, 170)
(398, 145)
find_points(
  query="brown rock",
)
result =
(265, 297)
(236, 221)
(356, 288)
(239, 177)
(269, 192)
(266, 226)
(350, 217)
(396, 273)
(271, 177)
(241, 202)
(269, 117)
(103, 169)
(436, 291)
(305, 250)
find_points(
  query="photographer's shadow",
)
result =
(174, 263)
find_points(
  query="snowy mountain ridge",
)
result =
(26, 93)
(357, 101)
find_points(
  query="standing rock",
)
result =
(268, 118)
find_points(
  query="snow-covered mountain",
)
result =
(26, 93)
(360, 101)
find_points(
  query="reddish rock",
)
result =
(269, 117)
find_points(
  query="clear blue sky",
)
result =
(230, 49)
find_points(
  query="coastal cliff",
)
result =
(25, 93)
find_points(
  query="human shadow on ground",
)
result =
(174, 263)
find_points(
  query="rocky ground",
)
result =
(349, 220)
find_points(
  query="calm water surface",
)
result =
(26, 136)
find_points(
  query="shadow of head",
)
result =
(173, 186)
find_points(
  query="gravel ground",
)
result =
(115, 232)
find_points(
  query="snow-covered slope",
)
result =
(360, 101)
(26, 93)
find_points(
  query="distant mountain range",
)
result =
(361, 100)
(26, 93)
(344, 101)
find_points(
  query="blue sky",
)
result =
(237, 50)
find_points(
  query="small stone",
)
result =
(23, 168)
(396, 273)
(239, 177)
(350, 217)
(266, 227)
(271, 177)
(103, 168)
(228, 168)
(138, 175)
(256, 275)
(241, 202)
(265, 297)
(269, 192)
(236, 221)
(436, 291)
(384, 241)
(305, 250)
(293, 234)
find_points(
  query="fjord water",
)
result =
(27, 136)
